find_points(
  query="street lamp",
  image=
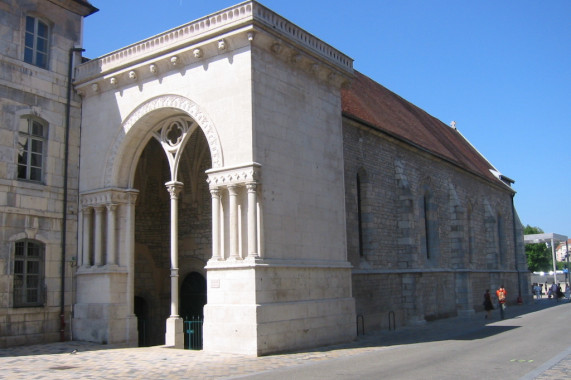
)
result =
(567, 265)
(554, 257)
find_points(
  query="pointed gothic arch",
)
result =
(138, 128)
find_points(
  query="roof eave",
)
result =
(404, 140)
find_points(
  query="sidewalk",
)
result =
(93, 361)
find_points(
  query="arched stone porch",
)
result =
(112, 233)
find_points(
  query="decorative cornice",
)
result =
(204, 38)
(261, 263)
(237, 175)
(103, 197)
(301, 38)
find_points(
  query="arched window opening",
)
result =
(360, 214)
(363, 211)
(430, 246)
(426, 225)
(501, 240)
(470, 236)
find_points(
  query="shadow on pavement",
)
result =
(471, 328)
(456, 328)
(58, 348)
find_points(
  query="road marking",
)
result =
(522, 360)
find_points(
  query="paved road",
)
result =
(515, 348)
(530, 344)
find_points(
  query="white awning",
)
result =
(543, 238)
(550, 238)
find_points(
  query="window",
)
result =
(360, 214)
(429, 219)
(28, 273)
(501, 240)
(363, 213)
(470, 235)
(427, 226)
(31, 141)
(36, 42)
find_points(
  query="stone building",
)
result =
(237, 168)
(39, 126)
(430, 222)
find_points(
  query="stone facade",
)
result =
(223, 177)
(31, 204)
(261, 234)
(392, 270)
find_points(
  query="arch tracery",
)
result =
(174, 102)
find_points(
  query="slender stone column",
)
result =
(129, 246)
(111, 255)
(215, 193)
(79, 255)
(87, 230)
(252, 220)
(233, 193)
(174, 334)
(130, 249)
(98, 237)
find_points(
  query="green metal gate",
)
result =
(193, 331)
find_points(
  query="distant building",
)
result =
(236, 169)
(562, 250)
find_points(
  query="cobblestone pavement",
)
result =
(81, 360)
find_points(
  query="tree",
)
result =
(538, 255)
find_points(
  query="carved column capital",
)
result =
(215, 193)
(174, 188)
(111, 207)
(233, 190)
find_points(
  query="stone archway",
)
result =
(154, 275)
(120, 166)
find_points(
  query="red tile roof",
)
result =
(369, 102)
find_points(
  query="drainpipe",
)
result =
(65, 178)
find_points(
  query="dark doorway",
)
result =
(192, 301)
(192, 296)
(142, 313)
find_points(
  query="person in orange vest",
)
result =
(501, 293)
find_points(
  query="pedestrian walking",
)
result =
(501, 293)
(559, 292)
(488, 306)
(553, 291)
(537, 291)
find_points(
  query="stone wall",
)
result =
(267, 309)
(33, 209)
(298, 142)
(397, 266)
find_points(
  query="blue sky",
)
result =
(500, 69)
